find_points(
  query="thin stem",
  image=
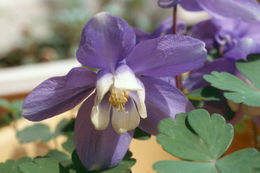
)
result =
(174, 20)
(220, 50)
(174, 31)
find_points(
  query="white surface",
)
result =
(24, 78)
(18, 15)
(191, 18)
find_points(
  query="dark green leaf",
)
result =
(69, 145)
(61, 157)
(60, 126)
(243, 161)
(172, 166)
(9, 167)
(240, 92)
(205, 94)
(36, 132)
(195, 135)
(42, 165)
(141, 135)
(69, 126)
(123, 167)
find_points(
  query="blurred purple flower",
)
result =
(125, 88)
(163, 29)
(247, 10)
(237, 39)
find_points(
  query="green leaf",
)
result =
(240, 92)
(36, 132)
(172, 166)
(61, 157)
(141, 135)
(60, 126)
(4, 104)
(123, 167)
(41, 165)
(251, 70)
(69, 126)
(243, 161)
(9, 167)
(195, 135)
(205, 94)
(69, 144)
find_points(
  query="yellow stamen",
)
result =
(118, 99)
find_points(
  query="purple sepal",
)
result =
(59, 94)
(162, 101)
(98, 150)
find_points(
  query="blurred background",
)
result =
(35, 31)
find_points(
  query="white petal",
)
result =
(139, 99)
(103, 85)
(125, 121)
(141, 103)
(125, 79)
(100, 114)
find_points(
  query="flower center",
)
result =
(118, 99)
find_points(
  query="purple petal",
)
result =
(195, 80)
(205, 31)
(252, 31)
(105, 41)
(191, 5)
(164, 28)
(247, 10)
(168, 55)
(243, 48)
(162, 101)
(141, 35)
(168, 3)
(59, 94)
(98, 149)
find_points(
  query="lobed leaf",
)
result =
(36, 132)
(195, 135)
(240, 92)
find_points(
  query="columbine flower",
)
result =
(163, 29)
(124, 88)
(237, 39)
(247, 10)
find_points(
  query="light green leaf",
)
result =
(198, 137)
(251, 70)
(36, 132)
(214, 133)
(41, 165)
(171, 166)
(4, 104)
(243, 161)
(240, 92)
